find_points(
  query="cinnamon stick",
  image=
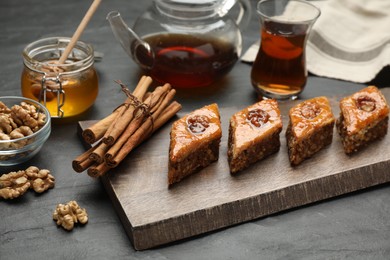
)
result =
(127, 114)
(150, 125)
(158, 100)
(80, 166)
(97, 155)
(166, 114)
(157, 97)
(154, 100)
(147, 94)
(97, 131)
(97, 170)
(142, 87)
(82, 162)
(132, 127)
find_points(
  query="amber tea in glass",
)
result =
(279, 70)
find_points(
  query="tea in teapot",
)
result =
(185, 43)
(189, 61)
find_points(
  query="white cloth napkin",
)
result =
(349, 41)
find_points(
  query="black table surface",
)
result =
(356, 225)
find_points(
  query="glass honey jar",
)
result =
(66, 89)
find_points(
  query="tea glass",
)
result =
(279, 70)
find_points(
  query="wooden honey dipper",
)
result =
(36, 86)
(79, 31)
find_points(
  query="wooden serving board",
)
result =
(154, 214)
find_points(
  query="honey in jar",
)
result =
(66, 89)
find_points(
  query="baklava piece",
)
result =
(310, 129)
(194, 143)
(363, 118)
(254, 134)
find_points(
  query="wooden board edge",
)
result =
(118, 208)
(228, 214)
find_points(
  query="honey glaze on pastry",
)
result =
(253, 134)
(363, 118)
(194, 142)
(310, 128)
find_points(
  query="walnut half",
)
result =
(15, 184)
(67, 215)
(41, 180)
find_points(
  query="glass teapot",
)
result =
(187, 43)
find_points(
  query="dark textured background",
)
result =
(355, 226)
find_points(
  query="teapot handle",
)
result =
(244, 12)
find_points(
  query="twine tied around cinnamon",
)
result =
(136, 103)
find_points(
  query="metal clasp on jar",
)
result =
(52, 86)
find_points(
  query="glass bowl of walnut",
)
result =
(25, 125)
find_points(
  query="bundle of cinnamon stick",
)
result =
(129, 125)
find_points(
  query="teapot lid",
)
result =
(189, 9)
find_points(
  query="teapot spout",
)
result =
(133, 45)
